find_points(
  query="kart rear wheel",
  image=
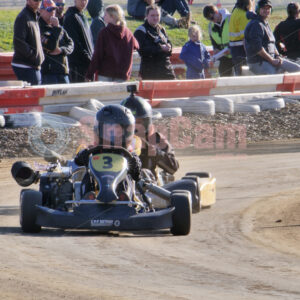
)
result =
(28, 214)
(196, 204)
(181, 218)
(199, 174)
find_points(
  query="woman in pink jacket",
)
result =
(112, 58)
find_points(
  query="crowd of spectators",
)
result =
(52, 45)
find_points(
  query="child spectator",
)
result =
(195, 55)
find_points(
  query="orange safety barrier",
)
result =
(20, 96)
(175, 88)
(6, 71)
(291, 83)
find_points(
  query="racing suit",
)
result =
(157, 151)
(82, 159)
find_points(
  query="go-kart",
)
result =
(117, 204)
(201, 185)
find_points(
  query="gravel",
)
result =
(275, 125)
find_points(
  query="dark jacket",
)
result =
(113, 53)
(158, 152)
(288, 33)
(258, 35)
(196, 58)
(78, 29)
(52, 38)
(27, 40)
(95, 9)
(136, 8)
(155, 63)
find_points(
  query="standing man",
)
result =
(60, 11)
(56, 44)
(219, 35)
(28, 55)
(287, 33)
(262, 54)
(77, 26)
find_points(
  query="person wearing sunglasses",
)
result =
(287, 33)
(219, 35)
(60, 11)
(28, 52)
(57, 45)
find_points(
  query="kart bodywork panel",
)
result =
(105, 218)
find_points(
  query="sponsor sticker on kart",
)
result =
(103, 223)
(99, 223)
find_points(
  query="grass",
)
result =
(177, 36)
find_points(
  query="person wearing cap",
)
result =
(287, 33)
(60, 11)
(218, 28)
(262, 54)
(77, 26)
(28, 52)
(57, 45)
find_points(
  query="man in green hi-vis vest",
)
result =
(219, 36)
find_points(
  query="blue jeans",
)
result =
(55, 78)
(172, 5)
(265, 67)
(30, 75)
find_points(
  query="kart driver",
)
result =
(114, 127)
(156, 150)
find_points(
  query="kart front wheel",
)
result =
(196, 203)
(182, 214)
(29, 199)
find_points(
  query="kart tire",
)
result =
(199, 174)
(28, 213)
(196, 204)
(181, 218)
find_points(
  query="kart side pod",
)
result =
(23, 174)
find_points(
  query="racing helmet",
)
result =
(141, 110)
(114, 126)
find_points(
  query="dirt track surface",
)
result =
(245, 247)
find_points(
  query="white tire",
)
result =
(84, 116)
(93, 104)
(190, 106)
(2, 121)
(247, 108)
(269, 103)
(169, 112)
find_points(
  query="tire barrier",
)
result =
(2, 121)
(93, 104)
(156, 115)
(82, 114)
(269, 103)
(169, 112)
(190, 106)
(37, 119)
(246, 108)
(223, 105)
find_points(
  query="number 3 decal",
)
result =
(107, 162)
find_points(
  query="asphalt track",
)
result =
(244, 247)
